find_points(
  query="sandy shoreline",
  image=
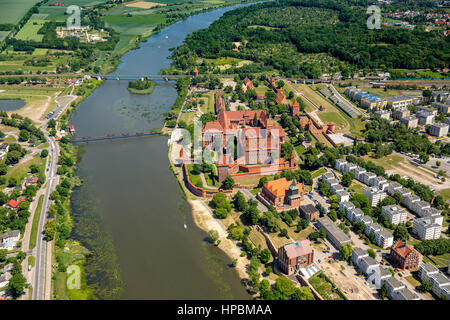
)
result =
(205, 221)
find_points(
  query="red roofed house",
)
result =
(404, 256)
(283, 194)
(31, 181)
(14, 204)
(296, 255)
(248, 83)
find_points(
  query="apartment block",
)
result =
(426, 229)
(439, 129)
(394, 213)
(374, 195)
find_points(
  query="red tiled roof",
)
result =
(13, 203)
(280, 186)
(212, 126)
(298, 249)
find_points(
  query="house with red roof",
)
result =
(13, 204)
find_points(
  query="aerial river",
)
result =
(130, 211)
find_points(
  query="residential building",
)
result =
(384, 238)
(393, 188)
(309, 211)
(385, 114)
(399, 101)
(364, 219)
(358, 171)
(343, 195)
(426, 109)
(348, 167)
(337, 187)
(425, 117)
(328, 176)
(358, 254)
(283, 194)
(439, 129)
(9, 239)
(426, 229)
(440, 95)
(368, 265)
(442, 107)
(332, 182)
(339, 164)
(367, 177)
(353, 214)
(334, 234)
(372, 228)
(410, 122)
(405, 257)
(447, 120)
(374, 195)
(401, 113)
(394, 213)
(380, 183)
(293, 256)
(419, 206)
(4, 279)
(433, 214)
(409, 199)
(346, 205)
(404, 294)
(393, 285)
(441, 284)
(13, 204)
(403, 192)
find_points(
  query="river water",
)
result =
(130, 211)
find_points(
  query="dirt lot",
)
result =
(353, 289)
(144, 5)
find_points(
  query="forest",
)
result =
(279, 33)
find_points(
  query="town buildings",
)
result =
(410, 122)
(425, 118)
(374, 195)
(441, 283)
(399, 101)
(401, 113)
(426, 229)
(296, 255)
(309, 211)
(404, 256)
(9, 239)
(395, 214)
(283, 194)
(334, 234)
(439, 129)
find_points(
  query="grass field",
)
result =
(445, 194)
(441, 261)
(20, 170)
(34, 227)
(30, 31)
(11, 11)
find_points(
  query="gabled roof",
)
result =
(13, 203)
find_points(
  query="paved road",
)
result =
(248, 194)
(342, 100)
(39, 290)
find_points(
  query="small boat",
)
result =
(185, 226)
(167, 37)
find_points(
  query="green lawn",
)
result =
(318, 172)
(35, 225)
(441, 261)
(30, 31)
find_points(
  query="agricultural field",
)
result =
(3, 35)
(11, 11)
(30, 31)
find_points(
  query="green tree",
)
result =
(265, 255)
(347, 179)
(345, 251)
(213, 236)
(228, 183)
(44, 153)
(221, 213)
(239, 201)
(285, 287)
(384, 291)
(50, 230)
(24, 135)
(371, 253)
(284, 233)
(401, 232)
(17, 285)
